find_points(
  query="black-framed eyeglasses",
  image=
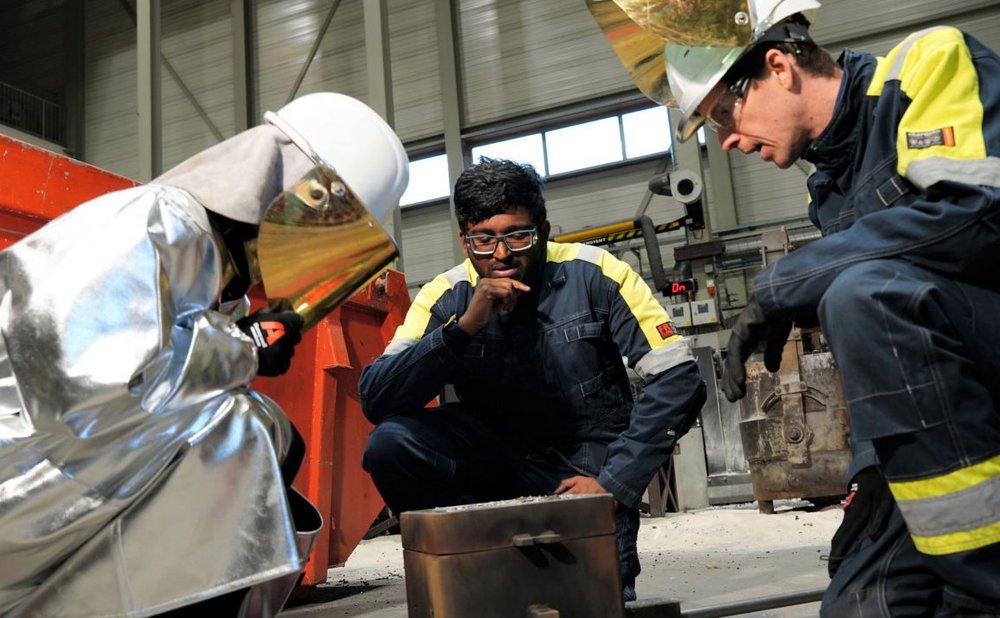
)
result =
(722, 114)
(516, 241)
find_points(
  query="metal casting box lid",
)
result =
(520, 522)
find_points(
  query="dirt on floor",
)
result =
(701, 558)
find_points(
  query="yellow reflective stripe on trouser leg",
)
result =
(953, 512)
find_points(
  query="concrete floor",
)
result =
(700, 558)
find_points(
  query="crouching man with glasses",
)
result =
(531, 334)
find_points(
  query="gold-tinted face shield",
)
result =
(318, 244)
(639, 29)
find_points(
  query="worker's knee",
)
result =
(405, 446)
(386, 447)
(861, 296)
(849, 293)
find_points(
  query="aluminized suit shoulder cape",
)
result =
(137, 471)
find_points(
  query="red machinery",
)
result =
(319, 393)
(38, 185)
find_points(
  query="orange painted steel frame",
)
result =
(37, 185)
(319, 393)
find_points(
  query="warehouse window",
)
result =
(580, 146)
(559, 150)
(607, 141)
(428, 180)
(589, 144)
(526, 149)
(646, 132)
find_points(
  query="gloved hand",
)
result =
(275, 334)
(751, 328)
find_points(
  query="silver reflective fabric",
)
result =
(137, 471)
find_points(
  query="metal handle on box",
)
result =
(545, 538)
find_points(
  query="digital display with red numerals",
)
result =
(678, 287)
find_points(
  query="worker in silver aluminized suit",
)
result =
(139, 475)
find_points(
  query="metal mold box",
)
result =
(534, 557)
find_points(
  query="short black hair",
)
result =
(497, 186)
(812, 58)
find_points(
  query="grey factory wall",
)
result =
(515, 58)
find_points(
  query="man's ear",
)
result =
(463, 244)
(543, 231)
(782, 67)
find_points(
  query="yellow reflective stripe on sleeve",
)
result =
(470, 272)
(945, 115)
(953, 512)
(559, 252)
(881, 70)
(633, 290)
(415, 323)
(639, 299)
(890, 67)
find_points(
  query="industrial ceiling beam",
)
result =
(312, 52)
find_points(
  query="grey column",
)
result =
(722, 208)
(379, 63)
(74, 94)
(451, 103)
(687, 156)
(242, 14)
(149, 104)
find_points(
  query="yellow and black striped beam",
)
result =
(616, 232)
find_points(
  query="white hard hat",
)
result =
(347, 135)
(693, 71)
(681, 51)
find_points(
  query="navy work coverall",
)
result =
(543, 392)
(906, 285)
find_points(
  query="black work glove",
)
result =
(751, 328)
(275, 335)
